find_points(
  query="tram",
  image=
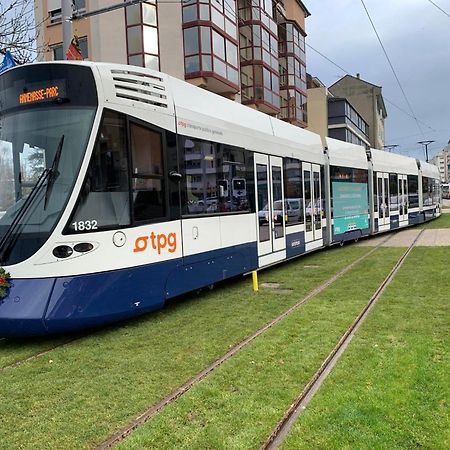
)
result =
(121, 187)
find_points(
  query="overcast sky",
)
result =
(416, 36)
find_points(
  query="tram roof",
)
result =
(429, 170)
(346, 155)
(390, 162)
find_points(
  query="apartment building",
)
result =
(251, 51)
(442, 161)
(334, 116)
(368, 100)
(345, 123)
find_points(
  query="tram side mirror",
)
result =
(221, 191)
(175, 176)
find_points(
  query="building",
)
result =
(345, 123)
(317, 94)
(367, 99)
(251, 51)
(334, 116)
(442, 161)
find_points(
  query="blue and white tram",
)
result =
(113, 195)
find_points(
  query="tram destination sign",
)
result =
(23, 94)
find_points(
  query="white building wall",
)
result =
(107, 41)
(171, 47)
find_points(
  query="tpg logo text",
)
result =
(158, 242)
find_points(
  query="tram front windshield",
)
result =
(46, 117)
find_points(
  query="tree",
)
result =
(18, 29)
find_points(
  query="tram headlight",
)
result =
(83, 247)
(62, 251)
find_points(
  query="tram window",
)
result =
(322, 191)
(308, 199)
(427, 191)
(263, 202)
(413, 191)
(147, 179)
(375, 195)
(293, 191)
(393, 191)
(277, 205)
(218, 178)
(104, 199)
(317, 196)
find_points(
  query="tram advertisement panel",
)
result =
(350, 206)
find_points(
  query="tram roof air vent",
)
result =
(140, 87)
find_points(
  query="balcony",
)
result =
(210, 45)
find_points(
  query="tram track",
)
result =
(37, 355)
(47, 351)
(283, 427)
(181, 390)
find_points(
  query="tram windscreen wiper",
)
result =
(53, 173)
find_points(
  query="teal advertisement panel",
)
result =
(350, 206)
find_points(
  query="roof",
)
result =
(380, 95)
(355, 78)
(302, 5)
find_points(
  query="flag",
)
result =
(74, 52)
(8, 62)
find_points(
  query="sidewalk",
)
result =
(404, 238)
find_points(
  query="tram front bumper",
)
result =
(22, 311)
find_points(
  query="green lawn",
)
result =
(80, 393)
(391, 389)
(443, 221)
(238, 405)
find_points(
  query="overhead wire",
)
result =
(392, 68)
(439, 8)
(384, 97)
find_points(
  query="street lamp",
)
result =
(425, 146)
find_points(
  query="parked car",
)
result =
(293, 209)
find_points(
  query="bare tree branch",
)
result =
(18, 30)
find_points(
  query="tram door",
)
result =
(271, 209)
(403, 198)
(383, 201)
(313, 205)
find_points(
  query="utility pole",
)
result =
(68, 15)
(66, 19)
(425, 145)
(391, 147)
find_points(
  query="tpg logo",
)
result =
(158, 242)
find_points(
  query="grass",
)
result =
(391, 389)
(80, 393)
(443, 221)
(238, 405)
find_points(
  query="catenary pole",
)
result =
(66, 19)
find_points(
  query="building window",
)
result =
(210, 40)
(58, 54)
(258, 42)
(142, 35)
(54, 9)
(292, 73)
